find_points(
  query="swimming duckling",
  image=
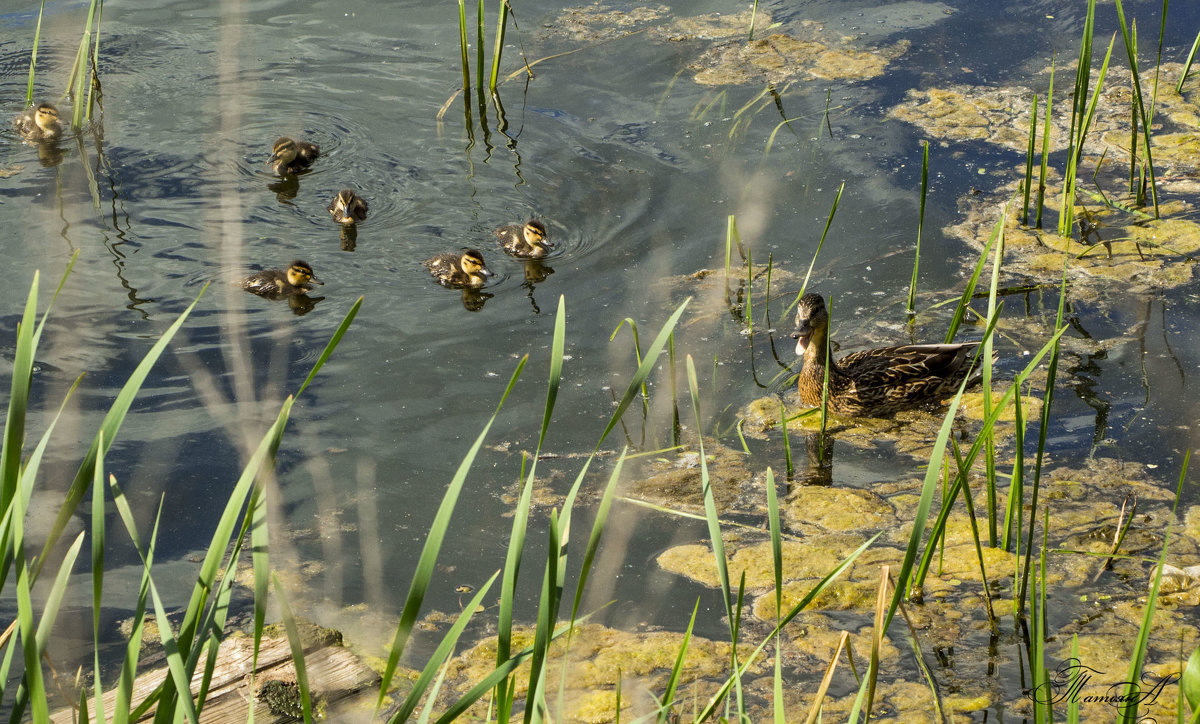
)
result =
(876, 382)
(298, 278)
(526, 241)
(289, 156)
(39, 123)
(459, 270)
(348, 208)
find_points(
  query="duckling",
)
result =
(876, 382)
(39, 123)
(459, 270)
(289, 156)
(526, 241)
(298, 278)
(348, 208)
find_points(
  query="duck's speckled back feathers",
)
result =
(298, 278)
(876, 382)
(289, 156)
(526, 241)
(39, 123)
(466, 269)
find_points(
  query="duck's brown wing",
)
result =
(914, 372)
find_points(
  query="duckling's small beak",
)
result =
(314, 280)
(486, 272)
(274, 157)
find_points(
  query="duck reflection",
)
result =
(349, 237)
(473, 299)
(302, 304)
(535, 273)
(49, 153)
(285, 187)
(819, 453)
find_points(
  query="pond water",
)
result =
(633, 163)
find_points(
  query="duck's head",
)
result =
(300, 273)
(284, 150)
(46, 117)
(471, 262)
(535, 234)
(810, 317)
(343, 205)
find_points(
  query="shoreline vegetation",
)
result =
(978, 516)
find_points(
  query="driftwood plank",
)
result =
(333, 674)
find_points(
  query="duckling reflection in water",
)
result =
(296, 280)
(39, 123)
(473, 299)
(348, 208)
(459, 270)
(535, 273)
(289, 156)
(525, 241)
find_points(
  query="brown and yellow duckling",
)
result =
(298, 278)
(289, 156)
(525, 241)
(348, 208)
(459, 270)
(39, 123)
(875, 382)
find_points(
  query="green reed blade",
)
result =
(807, 275)
(1073, 704)
(1042, 171)
(516, 541)
(912, 287)
(433, 545)
(331, 345)
(775, 531)
(260, 540)
(1139, 106)
(535, 698)
(1142, 644)
(1029, 161)
(479, 20)
(1066, 217)
(124, 694)
(644, 369)
(593, 544)
(297, 647)
(498, 44)
(98, 538)
(33, 687)
(462, 44)
(1187, 64)
(637, 356)
(714, 527)
(37, 34)
(108, 431)
(1043, 706)
(808, 598)
(171, 703)
(986, 368)
(18, 400)
(787, 445)
(668, 697)
(960, 312)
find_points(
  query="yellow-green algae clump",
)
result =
(779, 57)
(1127, 252)
(598, 657)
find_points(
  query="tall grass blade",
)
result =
(1183, 76)
(1041, 194)
(912, 287)
(462, 44)
(37, 35)
(808, 275)
(1029, 161)
(644, 369)
(964, 301)
(777, 704)
(498, 45)
(331, 345)
(1133, 678)
(714, 531)
(124, 695)
(98, 543)
(516, 540)
(593, 544)
(1139, 105)
(297, 647)
(433, 545)
(668, 697)
(108, 431)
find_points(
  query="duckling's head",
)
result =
(471, 262)
(535, 234)
(284, 150)
(810, 317)
(300, 273)
(342, 206)
(46, 117)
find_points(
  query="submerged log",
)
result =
(333, 672)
